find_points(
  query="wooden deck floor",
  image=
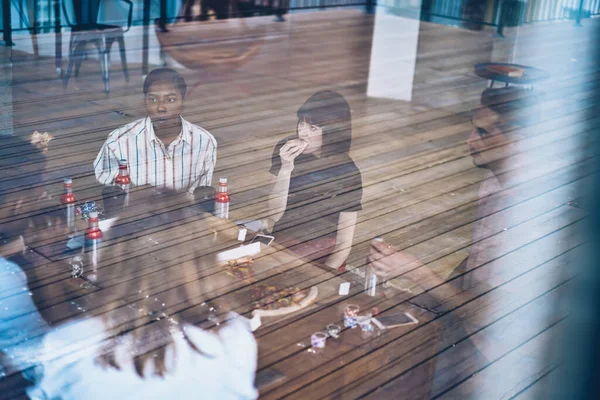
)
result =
(421, 189)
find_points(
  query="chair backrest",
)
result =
(81, 12)
(93, 12)
(115, 12)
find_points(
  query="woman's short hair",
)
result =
(331, 112)
(165, 75)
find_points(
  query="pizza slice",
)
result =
(284, 301)
(242, 268)
(508, 70)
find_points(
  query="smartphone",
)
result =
(264, 239)
(392, 321)
(267, 377)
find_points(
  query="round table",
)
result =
(529, 77)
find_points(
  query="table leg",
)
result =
(6, 23)
(57, 39)
(187, 9)
(162, 21)
(32, 16)
(145, 38)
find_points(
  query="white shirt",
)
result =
(21, 325)
(188, 162)
(224, 369)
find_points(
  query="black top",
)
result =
(320, 189)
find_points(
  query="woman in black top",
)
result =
(317, 188)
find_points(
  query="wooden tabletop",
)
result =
(143, 243)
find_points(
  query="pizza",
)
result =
(242, 268)
(508, 70)
(270, 301)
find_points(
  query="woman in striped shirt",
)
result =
(163, 149)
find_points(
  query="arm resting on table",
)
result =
(343, 239)
(280, 186)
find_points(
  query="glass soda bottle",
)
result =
(68, 199)
(93, 231)
(371, 279)
(222, 200)
(123, 180)
(93, 235)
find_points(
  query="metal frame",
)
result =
(6, 23)
(72, 25)
(322, 4)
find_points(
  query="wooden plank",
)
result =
(550, 227)
(517, 355)
(540, 388)
(541, 201)
(537, 186)
(539, 205)
(580, 124)
(479, 313)
(237, 155)
(520, 367)
(138, 225)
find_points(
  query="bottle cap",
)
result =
(68, 181)
(222, 180)
(123, 162)
(88, 206)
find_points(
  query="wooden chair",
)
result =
(88, 30)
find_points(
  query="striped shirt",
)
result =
(188, 162)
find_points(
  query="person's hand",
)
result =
(333, 263)
(292, 149)
(41, 140)
(388, 262)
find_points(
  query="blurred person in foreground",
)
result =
(163, 149)
(494, 146)
(145, 344)
(22, 193)
(493, 143)
(316, 188)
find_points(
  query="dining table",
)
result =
(72, 279)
